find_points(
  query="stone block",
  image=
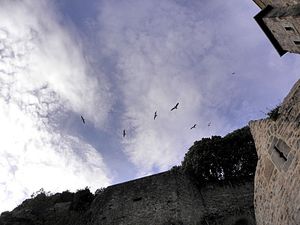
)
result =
(273, 144)
(268, 170)
(287, 163)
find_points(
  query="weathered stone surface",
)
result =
(277, 186)
(280, 20)
(171, 198)
(286, 30)
(275, 3)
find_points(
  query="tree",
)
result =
(228, 158)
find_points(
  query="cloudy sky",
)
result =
(116, 62)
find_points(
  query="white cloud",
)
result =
(169, 52)
(159, 46)
(43, 75)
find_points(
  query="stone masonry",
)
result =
(275, 3)
(170, 198)
(280, 21)
(277, 178)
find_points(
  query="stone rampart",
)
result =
(171, 198)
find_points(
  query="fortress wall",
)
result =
(171, 198)
(227, 201)
(277, 178)
(164, 198)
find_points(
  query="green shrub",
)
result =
(66, 196)
(82, 200)
(274, 113)
(228, 158)
(99, 191)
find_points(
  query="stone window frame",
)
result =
(297, 43)
(280, 154)
(268, 168)
(289, 28)
(292, 32)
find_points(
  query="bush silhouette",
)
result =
(228, 158)
(274, 113)
(82, 200)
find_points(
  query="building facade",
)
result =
(277, 177)
(280, 21)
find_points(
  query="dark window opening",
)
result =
(137, 199)
(289, 29)
(297, 42)
(280, 153)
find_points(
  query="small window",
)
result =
(280, 153)
(137, 199)
(289, 29)
(297, 43)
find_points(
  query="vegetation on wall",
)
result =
(82, 200)
(60, 208)
(274, 113)
(222, 158)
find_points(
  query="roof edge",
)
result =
(260, 6)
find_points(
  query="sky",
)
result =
(116, 62)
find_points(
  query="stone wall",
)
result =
(275, 3)
(168, 198)
(280, 21)
(284, 23)
(156, 199)
(171, 198)
(277, 178)
(228, 202)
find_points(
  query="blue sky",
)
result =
(115, 63)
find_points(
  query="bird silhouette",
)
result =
(193, 126)
(209, 124)
(82, 119)
(233, 73)
(175, 107)
(155, 115)
(124, 133)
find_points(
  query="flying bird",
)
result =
(233, 73)
(175, 107)
(124, 133)
(82, 119)
(193, 126)
(155, 115)
(209, 124)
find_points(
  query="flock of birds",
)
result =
(155, 115)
